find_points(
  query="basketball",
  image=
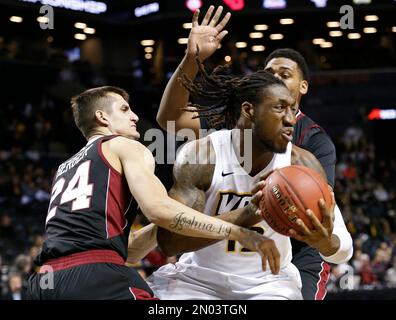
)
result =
(288, 193)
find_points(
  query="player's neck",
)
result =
(298, 101)
(99, 132)
(94, 137)
(261, 155)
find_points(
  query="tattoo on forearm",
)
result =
(224, 230)
(180, 222)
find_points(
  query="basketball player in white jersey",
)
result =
(215, 182)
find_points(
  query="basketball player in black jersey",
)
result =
(93, 203)
(291, 68)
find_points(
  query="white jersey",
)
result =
(230, 190)
(226, 270)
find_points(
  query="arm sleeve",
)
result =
(320, 145)
(344, 253)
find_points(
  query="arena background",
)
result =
(352, 96)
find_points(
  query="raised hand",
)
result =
(207, 36)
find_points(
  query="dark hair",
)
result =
(228, 92)
(85, 104)
(292, 55)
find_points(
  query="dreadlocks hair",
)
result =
(292, 55)
(228, 93)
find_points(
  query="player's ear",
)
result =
(101, 117)
(247, 110)
(303, 87)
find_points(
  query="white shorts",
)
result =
(190, 282)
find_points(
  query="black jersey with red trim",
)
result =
(310, 136)
(91, 206)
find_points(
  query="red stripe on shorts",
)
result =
(140, 294)
(324, 276)
(77, 259)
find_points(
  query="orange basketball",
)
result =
(288, 193)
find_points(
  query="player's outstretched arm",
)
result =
(207, 37)
(331, 237)
(172, 243)
(138, 168)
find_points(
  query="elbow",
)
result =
(161, 119)
(168, 121)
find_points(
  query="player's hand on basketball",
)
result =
(320, 236)
(257, 195)
(206, 37)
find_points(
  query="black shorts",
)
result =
(90, 280)
(314, 273)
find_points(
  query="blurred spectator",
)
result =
(379, 264)
(352, 137)
(367, 276)
(380, 193)
(15, 290)
(23, 264)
